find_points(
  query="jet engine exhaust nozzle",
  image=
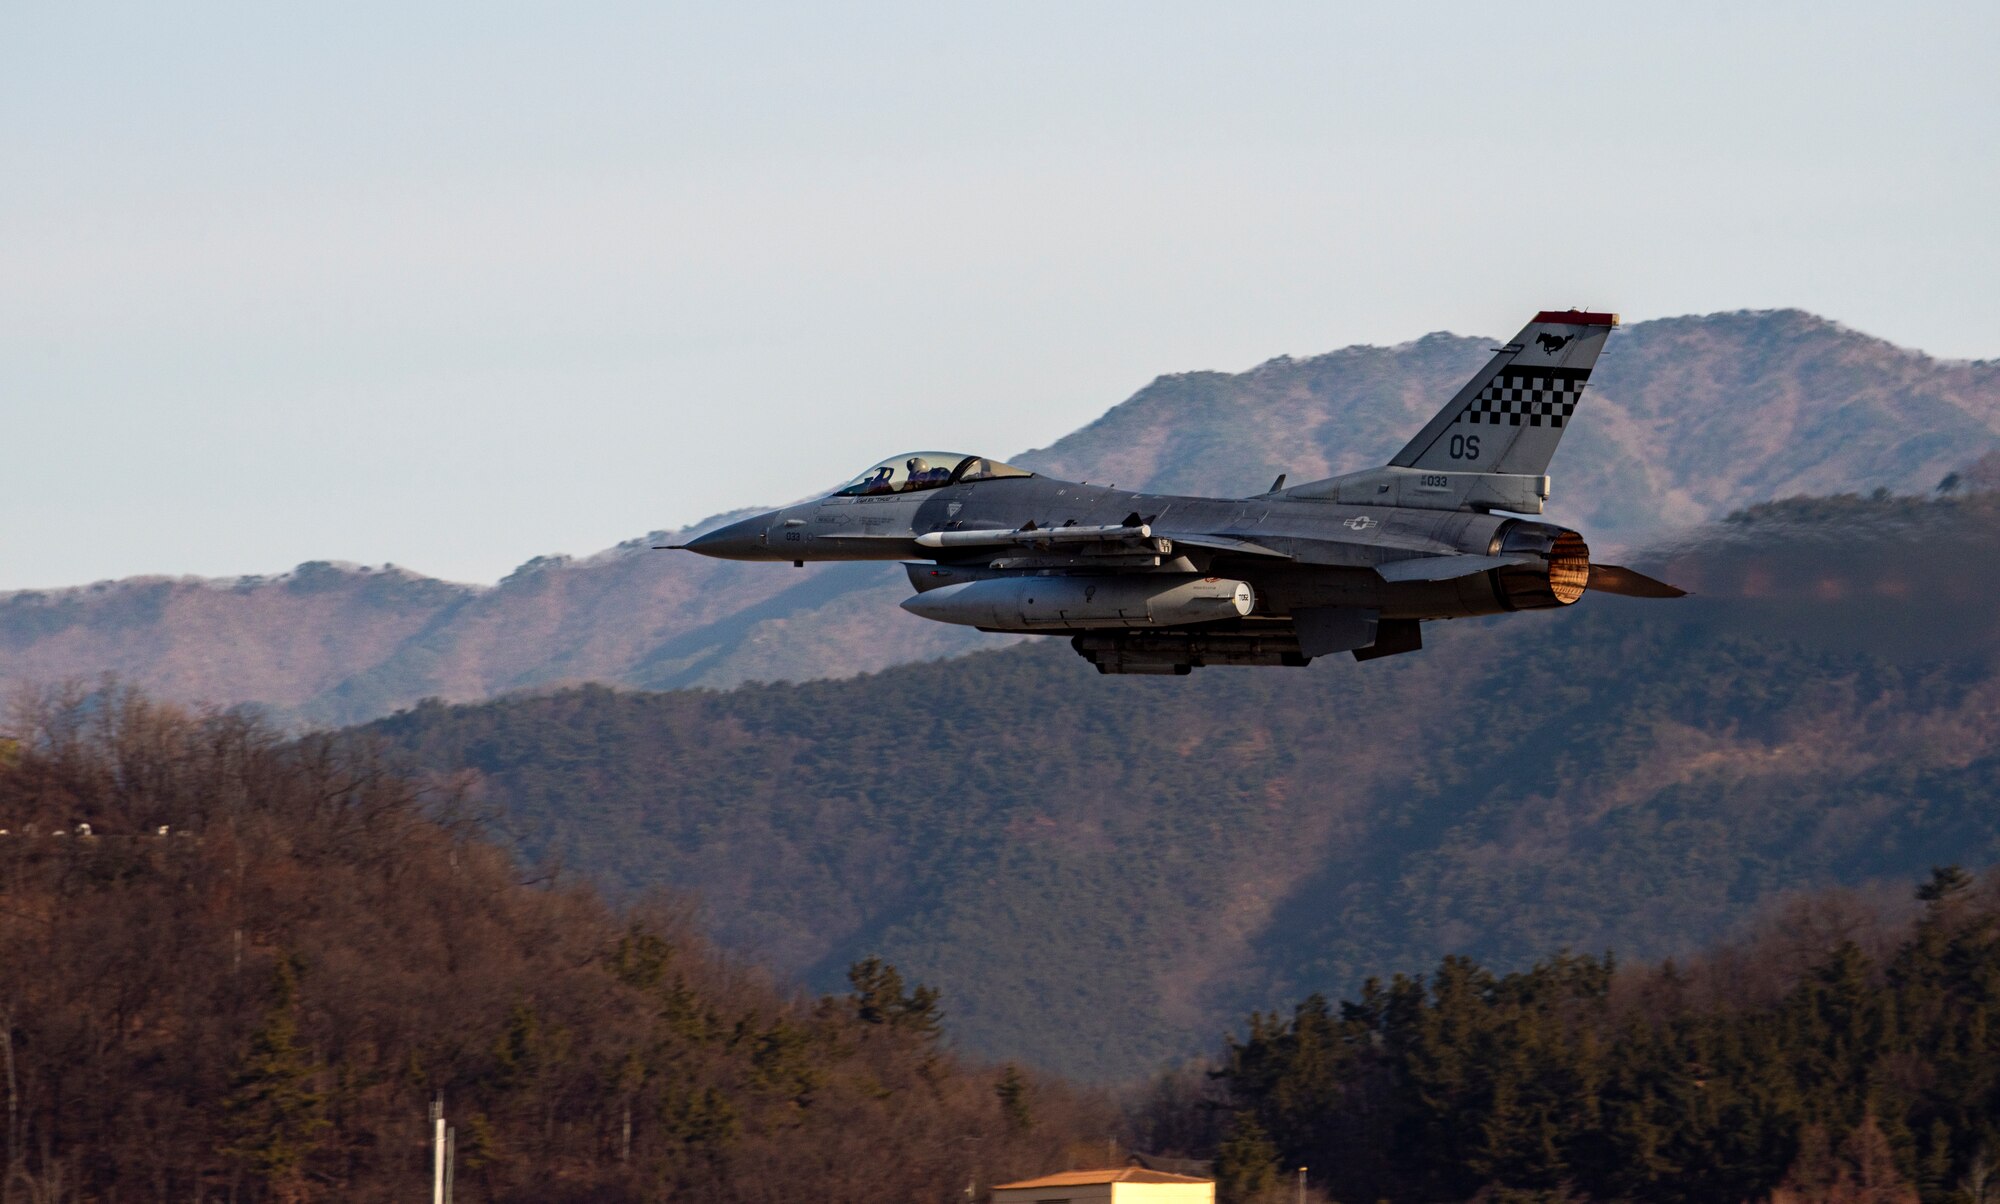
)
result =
(1559, 582)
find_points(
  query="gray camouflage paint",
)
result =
(1350, 564)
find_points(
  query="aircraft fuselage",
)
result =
(1161, 583)
(1331, 551)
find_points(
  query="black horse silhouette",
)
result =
(1553, 343)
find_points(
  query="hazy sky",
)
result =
(453, 285)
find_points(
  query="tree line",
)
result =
(237, 966)
(1829, 1058)
(240, 966)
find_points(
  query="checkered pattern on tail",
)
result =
(1508, 419)
(1528, 396)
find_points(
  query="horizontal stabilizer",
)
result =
(1418, 490)
(1617, 579)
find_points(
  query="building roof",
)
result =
(1115, 1174)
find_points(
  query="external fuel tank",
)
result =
(1083, 602)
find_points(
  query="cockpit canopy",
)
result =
(914, 471)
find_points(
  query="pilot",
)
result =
(922, 475)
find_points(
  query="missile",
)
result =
(1034, 535)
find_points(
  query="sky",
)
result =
(455, 285)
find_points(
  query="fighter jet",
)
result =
(1158, 583)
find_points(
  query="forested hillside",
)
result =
(1104, 871)
(233, 968)
(1686, 420)
(251, 968)
(1833, 1057)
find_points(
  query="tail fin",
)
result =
(1509, 418)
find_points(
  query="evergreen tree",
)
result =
(878, 998)
(1852, 1081)
(275, 1117)
(1946, 881)
(1246, 1163)
(1012, 1092)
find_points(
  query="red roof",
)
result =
(1116, 1174)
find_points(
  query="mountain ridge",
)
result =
(1689, 418)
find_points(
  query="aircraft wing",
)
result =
(1229, 543)
(1043, 536)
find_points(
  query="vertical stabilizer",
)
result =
(1509, 417)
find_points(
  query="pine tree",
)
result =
(1012, 1092)
(517, 1055)
(274, 1116)
(879, 999)
(1246, 1163)
(1946, 881)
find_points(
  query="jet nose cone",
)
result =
(744, 540)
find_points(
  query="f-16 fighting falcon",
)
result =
(1155, 583)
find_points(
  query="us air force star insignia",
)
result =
(1359, 522)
